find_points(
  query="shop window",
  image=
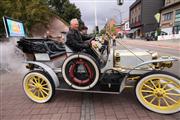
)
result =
(131, 20)
(177, 19)
(139, 18)
(167, 2)
(176, 29)
(167, 16)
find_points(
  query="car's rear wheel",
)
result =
(38, 86)
(159, 92)
(80, 71)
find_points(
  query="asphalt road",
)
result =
(161, 51)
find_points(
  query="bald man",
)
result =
(75, 40)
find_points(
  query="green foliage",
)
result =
(28, 11)
(66, 10)
(103, 31)
(31, 12)
(110, 29)
(113, 29)
(1, 20)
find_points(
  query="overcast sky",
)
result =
(106, 9)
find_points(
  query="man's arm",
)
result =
(86, 37)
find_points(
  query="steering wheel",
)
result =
(94, 44)
(100, 49)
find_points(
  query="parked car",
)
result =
(153, 35)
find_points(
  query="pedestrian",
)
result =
(104, 44)
(114, 39)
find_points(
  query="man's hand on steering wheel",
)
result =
(94, 44)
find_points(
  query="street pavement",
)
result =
(167, 47)
(14, 104)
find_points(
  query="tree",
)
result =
(28, 11)
(66, 10)
(103, 31)
(113, 29)
(1, 20)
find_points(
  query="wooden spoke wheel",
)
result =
(38, 86)
(159, 92)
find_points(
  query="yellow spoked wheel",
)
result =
(38, 87)
(159, 92)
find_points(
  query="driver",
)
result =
(75, 40)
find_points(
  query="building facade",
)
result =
(142, 18)
(170, 17)
(124, 27)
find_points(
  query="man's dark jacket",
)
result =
(76, 41)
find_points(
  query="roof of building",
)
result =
(135, 3)
(61, 20)
(171, 5)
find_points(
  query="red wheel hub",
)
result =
(73, 69)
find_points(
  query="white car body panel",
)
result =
(129, 60)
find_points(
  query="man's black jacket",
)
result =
(76, 41)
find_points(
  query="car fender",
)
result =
(123, 84)
(48, 70)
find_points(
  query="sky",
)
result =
(106, 9)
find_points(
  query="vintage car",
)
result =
(110, 72)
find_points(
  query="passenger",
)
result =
(84, 30)
(114, 39)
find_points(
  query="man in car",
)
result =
(75, 40)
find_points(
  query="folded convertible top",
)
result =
(40, 45)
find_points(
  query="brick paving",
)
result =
(87, 109)
(14, 105)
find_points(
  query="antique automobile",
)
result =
(108, 72)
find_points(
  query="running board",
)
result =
(96, 89)
(87, 91)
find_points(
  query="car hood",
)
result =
(134, 57)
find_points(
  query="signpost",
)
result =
(14, 28)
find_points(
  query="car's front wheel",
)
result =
(159, 92)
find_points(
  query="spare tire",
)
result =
(80, 71)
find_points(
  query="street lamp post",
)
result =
(95, 16)
(120, 2)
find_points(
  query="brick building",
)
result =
(170, 17)
(142, 18)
